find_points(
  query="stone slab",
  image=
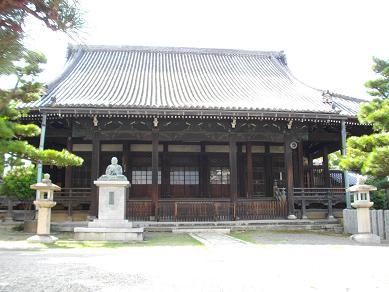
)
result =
(42, 239)
(380, 224)
(367, 238)
(107, 230)
(350, 221)
(202, 230)
(112, 183)
(108, 234)
(386, 224)
(101, 223)
(373, 221)
(112, 203)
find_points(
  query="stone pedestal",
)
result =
(44, 203)
(111, 224)
(362, 204)
(43, 223)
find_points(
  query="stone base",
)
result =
(101, 223)
(8, 220)
(108, 234)
(292, 217)
(42, 239)
(366, 238)
(30, 226)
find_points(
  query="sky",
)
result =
(328, 44)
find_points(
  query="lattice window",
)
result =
(184, 175)
(81, 175)
(219, 175)
(142, 175)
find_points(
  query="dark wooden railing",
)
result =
(253, 209)
(194, 210)
(327, 196)
(207, 209)
(73, 198)
(140, 210)
(314, 177)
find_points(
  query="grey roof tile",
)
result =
(184, 78)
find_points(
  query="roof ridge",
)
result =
(347, 97)
(161, 49)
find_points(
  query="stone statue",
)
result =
(114, 168)
(113, 172)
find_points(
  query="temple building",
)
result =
(201, 134)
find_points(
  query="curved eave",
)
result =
(190, 113)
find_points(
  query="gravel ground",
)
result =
(297, 237)
(300, 263)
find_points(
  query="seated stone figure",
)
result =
(114, 168)
(113, 172)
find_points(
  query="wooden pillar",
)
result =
(68, 180)
(249, 170)
(326, 171)
(95, 174)
(241, 171)
(203, 172)
(165, 174)
(310, 171)
(125, 157)
(300, 150)
(289, 177)
(233, 174)
(268, 172)
(68, 170)
(154, 171)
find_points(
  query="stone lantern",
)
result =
(44, 203)
(361, 193)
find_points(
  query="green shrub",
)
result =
(379, 197)
(19, 227)
(17, 183)
(380, 200)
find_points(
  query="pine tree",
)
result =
(369, 154)
(15, 59)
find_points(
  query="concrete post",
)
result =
(344, 153)
(9, 210)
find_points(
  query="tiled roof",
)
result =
(184, 78)
(347, 105)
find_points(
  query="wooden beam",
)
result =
(289, 177)
(323, 137)
(95, 166)
(57, 133)
(154, 169)
(249, 170)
